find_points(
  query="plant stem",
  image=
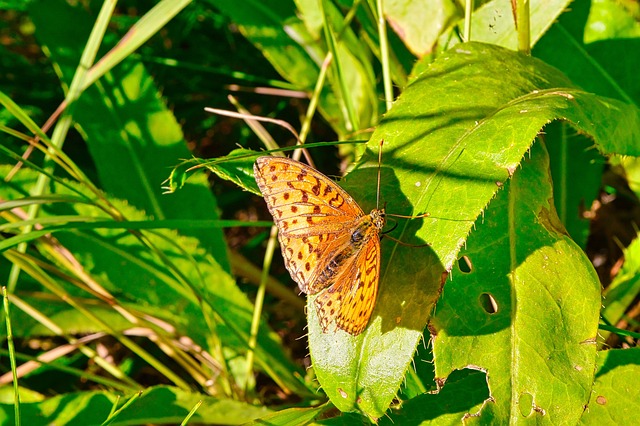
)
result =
(384, 56)
(524, 30)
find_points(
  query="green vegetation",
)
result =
(140, 289)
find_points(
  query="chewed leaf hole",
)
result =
(488, 303)
(464, 264)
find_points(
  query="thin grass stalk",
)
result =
(322, 77)
(468, 9)
(259, 130)
(352, 118)
(523, 26)
(384, 56)
(257, 311)
(313, 104)
(114, 414)
(42, 143)
(162, 341)
(246, 269)
(12, 357)
(140, 32)
(191, 413)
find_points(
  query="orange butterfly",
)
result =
(330, 246)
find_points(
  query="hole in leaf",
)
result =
(464, 264)
(488, 303)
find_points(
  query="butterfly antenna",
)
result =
(402, 243)
(379, 167)
(409, 217)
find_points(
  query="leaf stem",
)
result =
(257, 311)
(384, 56)
(468, 8)
(12, 356)
(522, 23)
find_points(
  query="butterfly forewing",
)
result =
(328, 244)
(301, 199)
(312, 213)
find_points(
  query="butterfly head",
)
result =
(378, 218)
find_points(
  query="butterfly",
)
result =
(330, 246)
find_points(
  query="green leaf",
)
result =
(610, 20)
(595, 67)
(157, 405)
(631, 171)
(616, 395)
(527, 311)
(464, 392)
(236, 167)
(419, 24)
(452, 139)
(625, 287)
(132, 137)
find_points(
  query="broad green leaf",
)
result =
(178, 282)
(609, 19)
(452, 140)
(595, 67)
(158, 405)
(464, 392)
(615, 399)
(527, 311)
(132, 137)
(625, 287)
(419, 24)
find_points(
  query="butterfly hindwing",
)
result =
(349, 302)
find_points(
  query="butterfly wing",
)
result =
(349, 302)
(313, 214)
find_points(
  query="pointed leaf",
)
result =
(615, 399)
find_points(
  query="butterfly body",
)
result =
(330, 246)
